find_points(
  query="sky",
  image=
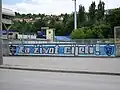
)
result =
(53, 6)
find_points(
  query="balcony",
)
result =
(7, 21)
(8, 12)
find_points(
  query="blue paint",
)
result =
(108, 50)
(64, 50)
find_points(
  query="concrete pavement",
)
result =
(75, 64)
(25, 80)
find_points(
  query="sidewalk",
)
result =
(67, 64)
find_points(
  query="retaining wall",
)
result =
(64, 49)
(118, 50)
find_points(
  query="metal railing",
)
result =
(42, 41)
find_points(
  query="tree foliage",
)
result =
(113, 17)
(100, 11)
(81, 15)
(78, 34)
(95, 32)
(96, 23)
(92, 13)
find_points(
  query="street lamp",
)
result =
(75, 15)
(1, 47)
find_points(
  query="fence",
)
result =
(79, 41)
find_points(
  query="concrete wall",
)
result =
(6, 50)
(71, 50)
(64, 49)
(118, 50)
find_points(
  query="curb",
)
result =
(62, 56)
(60, 71)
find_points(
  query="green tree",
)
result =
(107, 31)
(92, 13)
(97, 32)
(113, 17)
(29, 15)
(78, 34)
(38, 24)
(100, 11)
(52, 23)
(58, 29)
(89, 34)
(69, 26)
(81, 15)
(65, 18)
(18, 26)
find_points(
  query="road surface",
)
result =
(27, 80)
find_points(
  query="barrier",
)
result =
(6, 48)
(63, 49)
(118, 50)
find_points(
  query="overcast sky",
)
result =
(53, 6)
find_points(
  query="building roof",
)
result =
(4, 31)
(63, 38)
(8, 12)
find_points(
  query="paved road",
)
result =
(26, 80)
(67, 63)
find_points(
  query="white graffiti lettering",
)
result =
(51, 50)
(67, 50)
(36, 50)
(27, 50)
(41, 50)
(86, 49)
(81, 50)
(21, 50)
(97, 49)
(45, 50)
(56, 49)
(76, 50)
(90, 50)
(73, 50)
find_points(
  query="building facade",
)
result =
(7, 22)
(7, 16)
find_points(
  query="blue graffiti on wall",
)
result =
(63, 50)
(109, 50)
(12, 50)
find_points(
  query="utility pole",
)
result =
(1, 46)
(75, 16)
